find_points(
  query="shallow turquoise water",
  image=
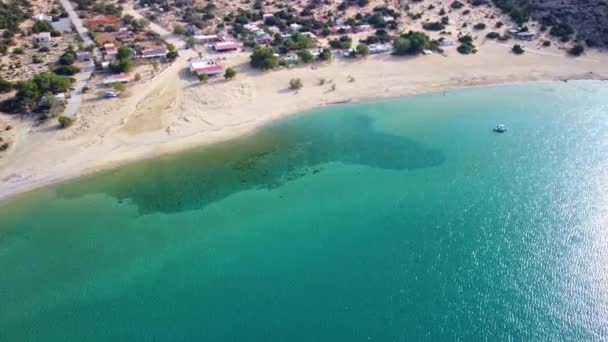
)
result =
(404, 219)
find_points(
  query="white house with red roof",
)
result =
(110, 52)
(120, 78)
(204, 66)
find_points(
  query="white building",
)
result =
(380, 48)
(295, 27)
(42, 17)
(43, 38)
(204, 66)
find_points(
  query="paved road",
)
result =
(73, 103)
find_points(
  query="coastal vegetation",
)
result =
(563, 18)
(30, 92)
(305, 56)
(124, 61)
(517, 49)
(12, 13)
(230, 73)
(466, 46)
(362, 50)
(433, 26)
(295, 83)
(65, 121)
(343, 42)
(577, 50)
(264, 58)
(411, 43)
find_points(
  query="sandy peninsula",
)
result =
(169, 110)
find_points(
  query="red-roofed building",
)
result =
(110, 52)
(207, 67)
(225, 46)
(120, 78)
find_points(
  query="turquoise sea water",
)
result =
(395, 220)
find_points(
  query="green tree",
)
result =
(305, 56)
(172, 54)
(230, 73)
(264, 58)
(325, 55)
(402, 46)
(179, 29)
(362, 50)
(68, 57)
(27, 93)
(124, 52)
(203, 78)
(42, 26)
(122, 65)
(118, 86)
(48, 81)
(344, 42)
(420, 41)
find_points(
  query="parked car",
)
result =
(109, 94)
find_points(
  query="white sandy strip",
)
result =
(547, 53)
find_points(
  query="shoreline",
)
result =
(195, 141)
(170, 111)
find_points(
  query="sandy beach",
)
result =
(171, 111)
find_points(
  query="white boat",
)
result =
(500, 128)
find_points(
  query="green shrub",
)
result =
(295, 83)
(433, 26)
(66, 70)
(179, 29)
(305, 56)
(577, 50)
(65, 121)
(230, 73)
(362, 50)
(203, 78)
(456, 4)
(411, 43)
(517, 49)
